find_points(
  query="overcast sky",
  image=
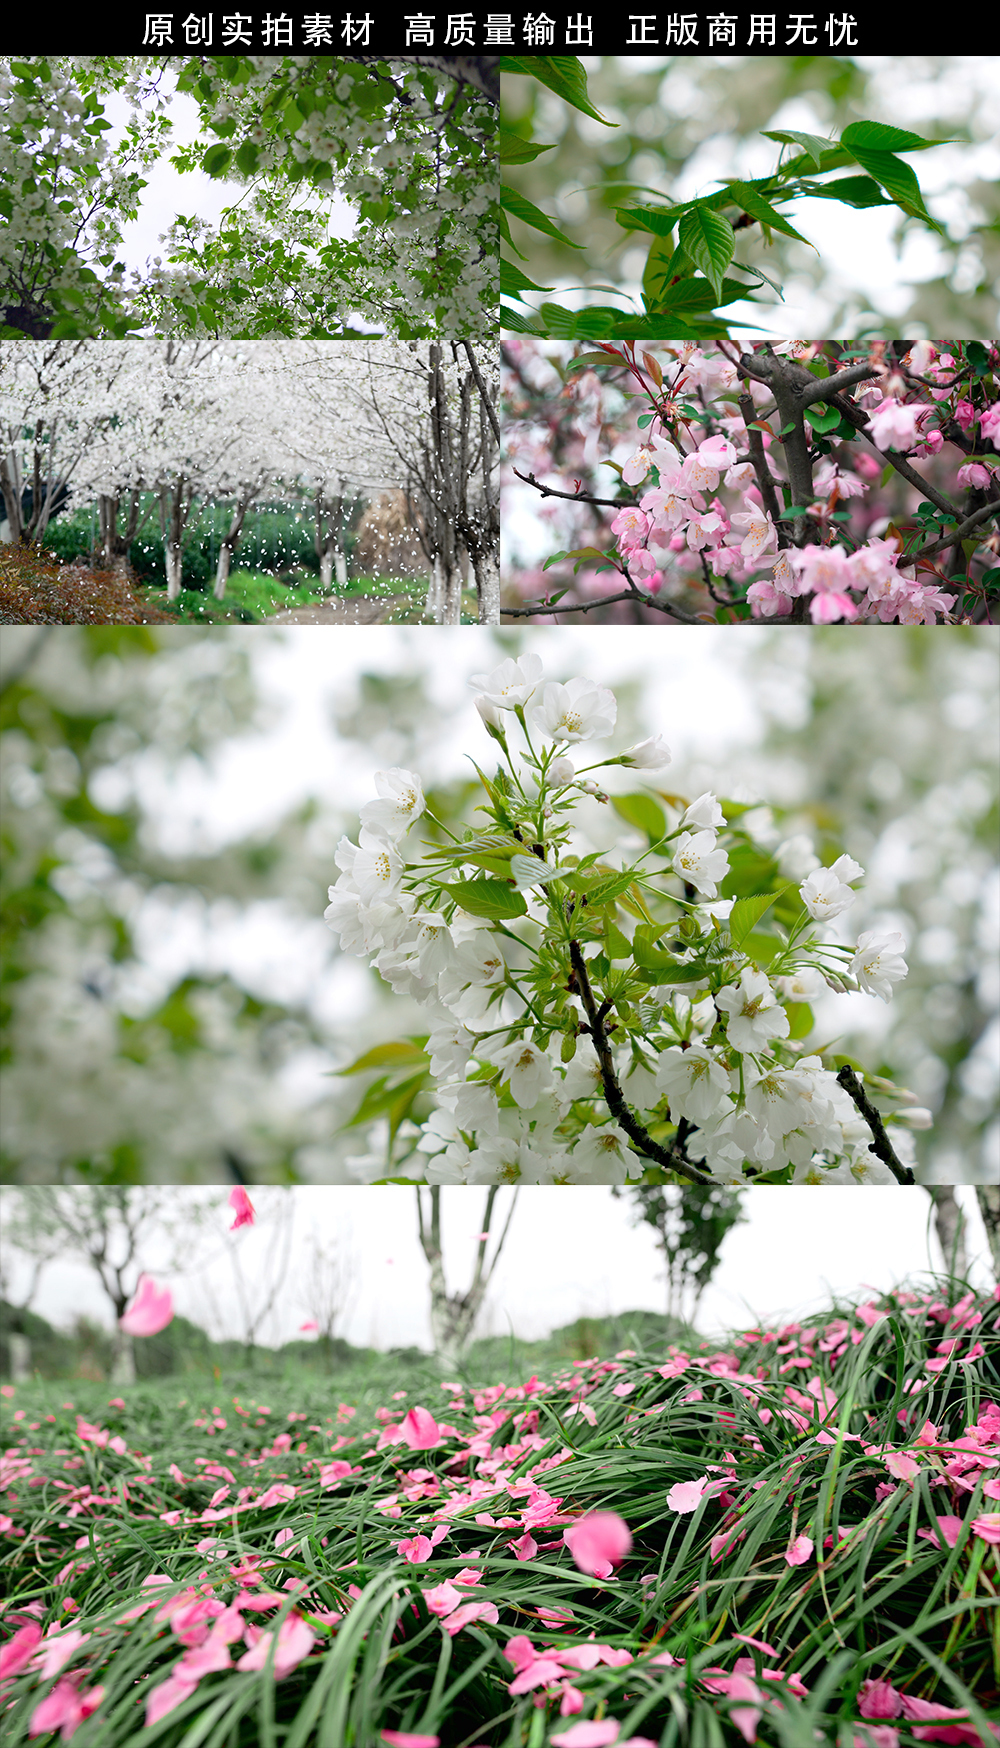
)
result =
(571, 1252)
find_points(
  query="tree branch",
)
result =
(623, 1116)
(881, 1146)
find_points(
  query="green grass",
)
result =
(874, 1600)
(252, 596)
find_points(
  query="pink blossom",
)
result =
(409, 1739)
(332, 1473)
(295, 1641)
(894, 426)
(598, 1542)
(150, 1310)
(935, 1723)
(441, 1599)
(279, 1493)
(417, 1549)
(987, 1527)
(631, 526)
(799, 1551)
(876, 1736)
(242, 1206)
(64, 1709)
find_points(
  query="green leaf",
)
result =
(403, 1053)
(513, 281)
(488, 898)
(382, 1098)
(661, 220)
(247, 156)
(516, 150)
(858, 191)
(217, 160)
(811, 144)
(563, 74)
(663, 263)
(754, 203)
(823, 418)
(876, 136)
(897, 179)
(708, 239)
(616, 945)
(532, 215)
(747, 912)
(608, 889)
(801, 1019)
(642, 811)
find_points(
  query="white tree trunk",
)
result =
(222, 571)
(487, 573)
(326, 571)
(340, 568)
(989, 1208)
(123, 1359)
(173, 562)
(20, 1358)
(949, 1222)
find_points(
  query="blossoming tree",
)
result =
(407, 142)
(594, 1021)
(868, 479)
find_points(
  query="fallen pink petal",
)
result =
(799, 1551)
(150, 1311)
(599, 1542)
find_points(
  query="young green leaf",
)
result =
(747, 912)
(708, 239)
(516, 150)
(897, 179)
(812, 144)
(858, 191)
(642, 811)
(876, 136)
(532, 215)
(563, 74)
(513, 281)
(488, 898)
(753, 202)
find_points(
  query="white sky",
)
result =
(857, 244)
(571, 1252)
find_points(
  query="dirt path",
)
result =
(357, 612)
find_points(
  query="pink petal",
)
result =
(420, 1430)
(242, 1206)
(170, 1693)
(600, 1540)
(150, 1310)
(686, 1495)
(407, 1739)
(16, 1653)
(589, 1734)
(799, 1551)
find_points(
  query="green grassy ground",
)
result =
(808, 1524)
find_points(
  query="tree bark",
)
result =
(20, 1357)
(453, 1315)
(989, 1207)
(122, 1358)
(949, 1223)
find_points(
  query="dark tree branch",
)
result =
(881, 1146)
(669, 1158)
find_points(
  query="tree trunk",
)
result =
(123, 1358)
(340, 568)
(487, 574)
(949, 1223)
(20, 1357)
(222, 570)
(989, 1207)
(172, 558)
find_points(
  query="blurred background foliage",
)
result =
(121, 1068)
(686, 121)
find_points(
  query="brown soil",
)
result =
(357, 612)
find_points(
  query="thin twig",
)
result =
(623, 1116)
(881, 1146)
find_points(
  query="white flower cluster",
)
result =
(514, 1104)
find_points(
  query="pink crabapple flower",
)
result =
(598, 1542)
(150, 1310)
(242, 1206)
